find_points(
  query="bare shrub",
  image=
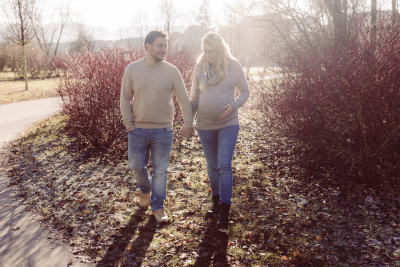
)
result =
(58, 65)
(90, 94)
(36, 62)
(184, 60)
(340, 104)
(90, 91)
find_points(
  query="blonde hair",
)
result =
(222, 49)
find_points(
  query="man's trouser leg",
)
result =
(138, 156)
(159, 143)
(160, 149)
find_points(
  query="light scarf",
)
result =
(211, 76)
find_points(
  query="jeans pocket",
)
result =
(168, 129)
(131, 131)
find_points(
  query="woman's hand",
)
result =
(228, 110)
(186, 132)
(131, 129)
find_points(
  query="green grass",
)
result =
(14, 91)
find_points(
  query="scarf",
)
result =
(211, 77)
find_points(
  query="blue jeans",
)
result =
(218, 147)
(158, 142)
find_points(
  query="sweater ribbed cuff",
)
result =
(234, 104)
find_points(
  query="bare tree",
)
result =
(44, 34)
(168, 18)
(139, 24)
(311, 23)
(19, 27)
(234, 32)
(84, 40)
(203, 15)
(338, 11)
(63, 10)
(374, 11)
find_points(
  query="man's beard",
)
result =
(155, 56)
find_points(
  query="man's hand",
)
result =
(228, 109)
(187, 132)
(131, 129)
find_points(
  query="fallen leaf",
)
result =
(183, 256)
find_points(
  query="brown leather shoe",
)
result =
(144, 200)
(160, 215)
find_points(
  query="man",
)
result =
(148, 118)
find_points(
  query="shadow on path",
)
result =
(212, 251)
(117, 255)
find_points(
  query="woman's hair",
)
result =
(222, 49)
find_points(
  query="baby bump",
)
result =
(210, 108)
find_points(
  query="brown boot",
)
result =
(160, 215)
(144, 200)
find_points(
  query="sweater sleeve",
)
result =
(126, 98)
(242, 86)
(183, 99)
(195, 91)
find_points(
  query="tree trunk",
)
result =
(344, 24)
(338, 18)
(59, 37)
(394, 11)
(373, 19)
(25, 68)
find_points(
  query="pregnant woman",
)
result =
(216, 77)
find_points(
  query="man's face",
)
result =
(158, 49)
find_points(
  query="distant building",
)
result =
(193, 35)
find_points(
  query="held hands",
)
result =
(186, 132)
(228, 110)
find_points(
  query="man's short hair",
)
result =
(151, 36)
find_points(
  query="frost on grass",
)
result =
(278, 217)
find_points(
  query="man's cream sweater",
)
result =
(146, 95)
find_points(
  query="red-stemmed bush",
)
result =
(90, 91)
(57, 64)
(184, 60)
(340, 104)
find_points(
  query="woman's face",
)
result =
(210, 53)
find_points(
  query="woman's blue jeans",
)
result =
(218, 147)
(158, 142)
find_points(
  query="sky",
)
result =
(113, 15)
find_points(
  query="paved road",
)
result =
(28, 246)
